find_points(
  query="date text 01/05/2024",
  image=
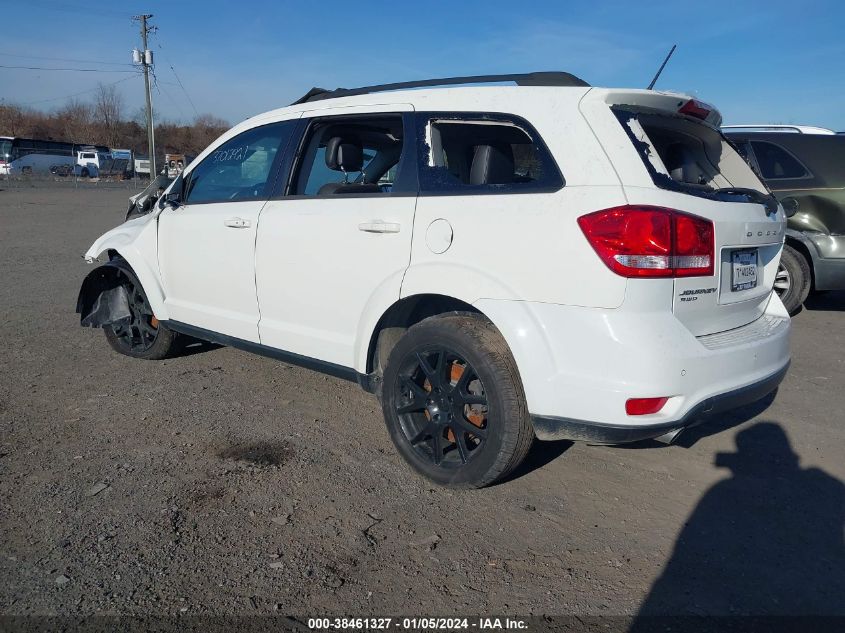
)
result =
(411, 623)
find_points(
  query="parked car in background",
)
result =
(495, 263)
(89, 160)
(805, 168)
(62, 169)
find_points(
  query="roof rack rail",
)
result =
(551, 78)
(777, 127)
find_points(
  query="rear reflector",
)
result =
(644, 406)
(641, 241)
(695, 108)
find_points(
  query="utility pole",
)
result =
(145, 57)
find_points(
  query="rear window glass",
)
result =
(685, 155)
(775, 162)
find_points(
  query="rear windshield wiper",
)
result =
(766, 199)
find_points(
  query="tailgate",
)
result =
(747, 250)
(669, 152)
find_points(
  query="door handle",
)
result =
(237, 223)
(379, 226)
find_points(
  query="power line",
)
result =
(191, 101)
(77, 70)
(181, 85)
(62, 59)
(161, 90)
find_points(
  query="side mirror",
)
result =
(790, 206)
(174, 198)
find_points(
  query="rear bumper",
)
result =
(553, 428)
(579, 366)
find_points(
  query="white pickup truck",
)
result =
(91, 163)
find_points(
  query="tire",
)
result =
(793, 280)
(453, 402)
(84, 173)
(144, 336)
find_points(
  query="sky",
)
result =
(757, 62)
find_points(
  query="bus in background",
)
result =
(25, 156)
(5, 154)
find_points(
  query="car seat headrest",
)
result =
(344, 154)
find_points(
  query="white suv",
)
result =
(495, 263)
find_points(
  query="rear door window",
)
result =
(351, 155)
(321, 174)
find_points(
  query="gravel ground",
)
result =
(226, 483)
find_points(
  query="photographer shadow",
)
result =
(766, 541)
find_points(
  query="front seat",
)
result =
(492, 165)
(345, 154)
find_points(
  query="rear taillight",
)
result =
(641, 241)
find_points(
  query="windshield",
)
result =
(5, 149)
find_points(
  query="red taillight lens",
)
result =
(693, 246)
(644, 406)
(639, 241)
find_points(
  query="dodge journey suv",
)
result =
(494, 262)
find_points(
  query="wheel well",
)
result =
(99, 280)
(799, 246)
(402, 315)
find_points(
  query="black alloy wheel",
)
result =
(442, 407)
(139, 334)
(453, 401)
(142, 335)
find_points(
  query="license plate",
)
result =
(743, 270)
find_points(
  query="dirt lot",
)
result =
(225, 483)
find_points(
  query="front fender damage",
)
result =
(103, 299)
(122, 237)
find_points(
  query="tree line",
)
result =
(103, 121)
